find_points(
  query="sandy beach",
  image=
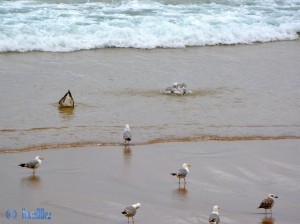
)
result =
(236, 121)
(94, 184)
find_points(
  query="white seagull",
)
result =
(127, 134)
(34, 164)
(131, 211)
(214, 217)
(183, 172)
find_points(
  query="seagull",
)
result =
(214, 217)
(177, 88)
(131, 211)
(34, 164)
(127, 134)
(268, 203)
(67, 100)
(182, 173)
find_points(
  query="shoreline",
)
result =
(154, 49)
(82, 144)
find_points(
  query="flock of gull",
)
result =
(182, 173)
(177, 88)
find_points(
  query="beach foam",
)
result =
(72, 25)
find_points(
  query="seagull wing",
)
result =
(67, 100)
(182, 173)
(266, 203)
(129, 211)
(127, 135)
(32, 164)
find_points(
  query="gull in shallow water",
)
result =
(177, 88)
(131, 211)
(34, 164)
(268, 203)
(67, 100)
(214, 217)
(127, 134)
(182, 173)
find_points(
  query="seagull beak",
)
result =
(275, 196)
(41, 158)
(189, 165)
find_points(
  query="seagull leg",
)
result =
(132, 220)
(33, 172)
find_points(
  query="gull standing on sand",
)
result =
(127, 134)
(214, 217)
(182, 173)
(268, 203)
(67, 100)
(34, 164)
(131, 211)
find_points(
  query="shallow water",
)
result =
(238, 92)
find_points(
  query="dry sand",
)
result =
(93, 185)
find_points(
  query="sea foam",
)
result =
(79, 25)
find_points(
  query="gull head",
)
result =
(186, 165)
(127, 127)
(136, 206)
(272, 196)
(216, 209)
(39, 158)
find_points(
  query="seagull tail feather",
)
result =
(173, 174)
(260, 206)
(22, 165)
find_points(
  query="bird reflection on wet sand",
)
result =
(267, 220)
(127, 151)
(127, 154)
(180, 193)
(31, 181)
(182, 190)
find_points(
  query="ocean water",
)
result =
(70, 25)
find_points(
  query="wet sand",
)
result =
(94, 184)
